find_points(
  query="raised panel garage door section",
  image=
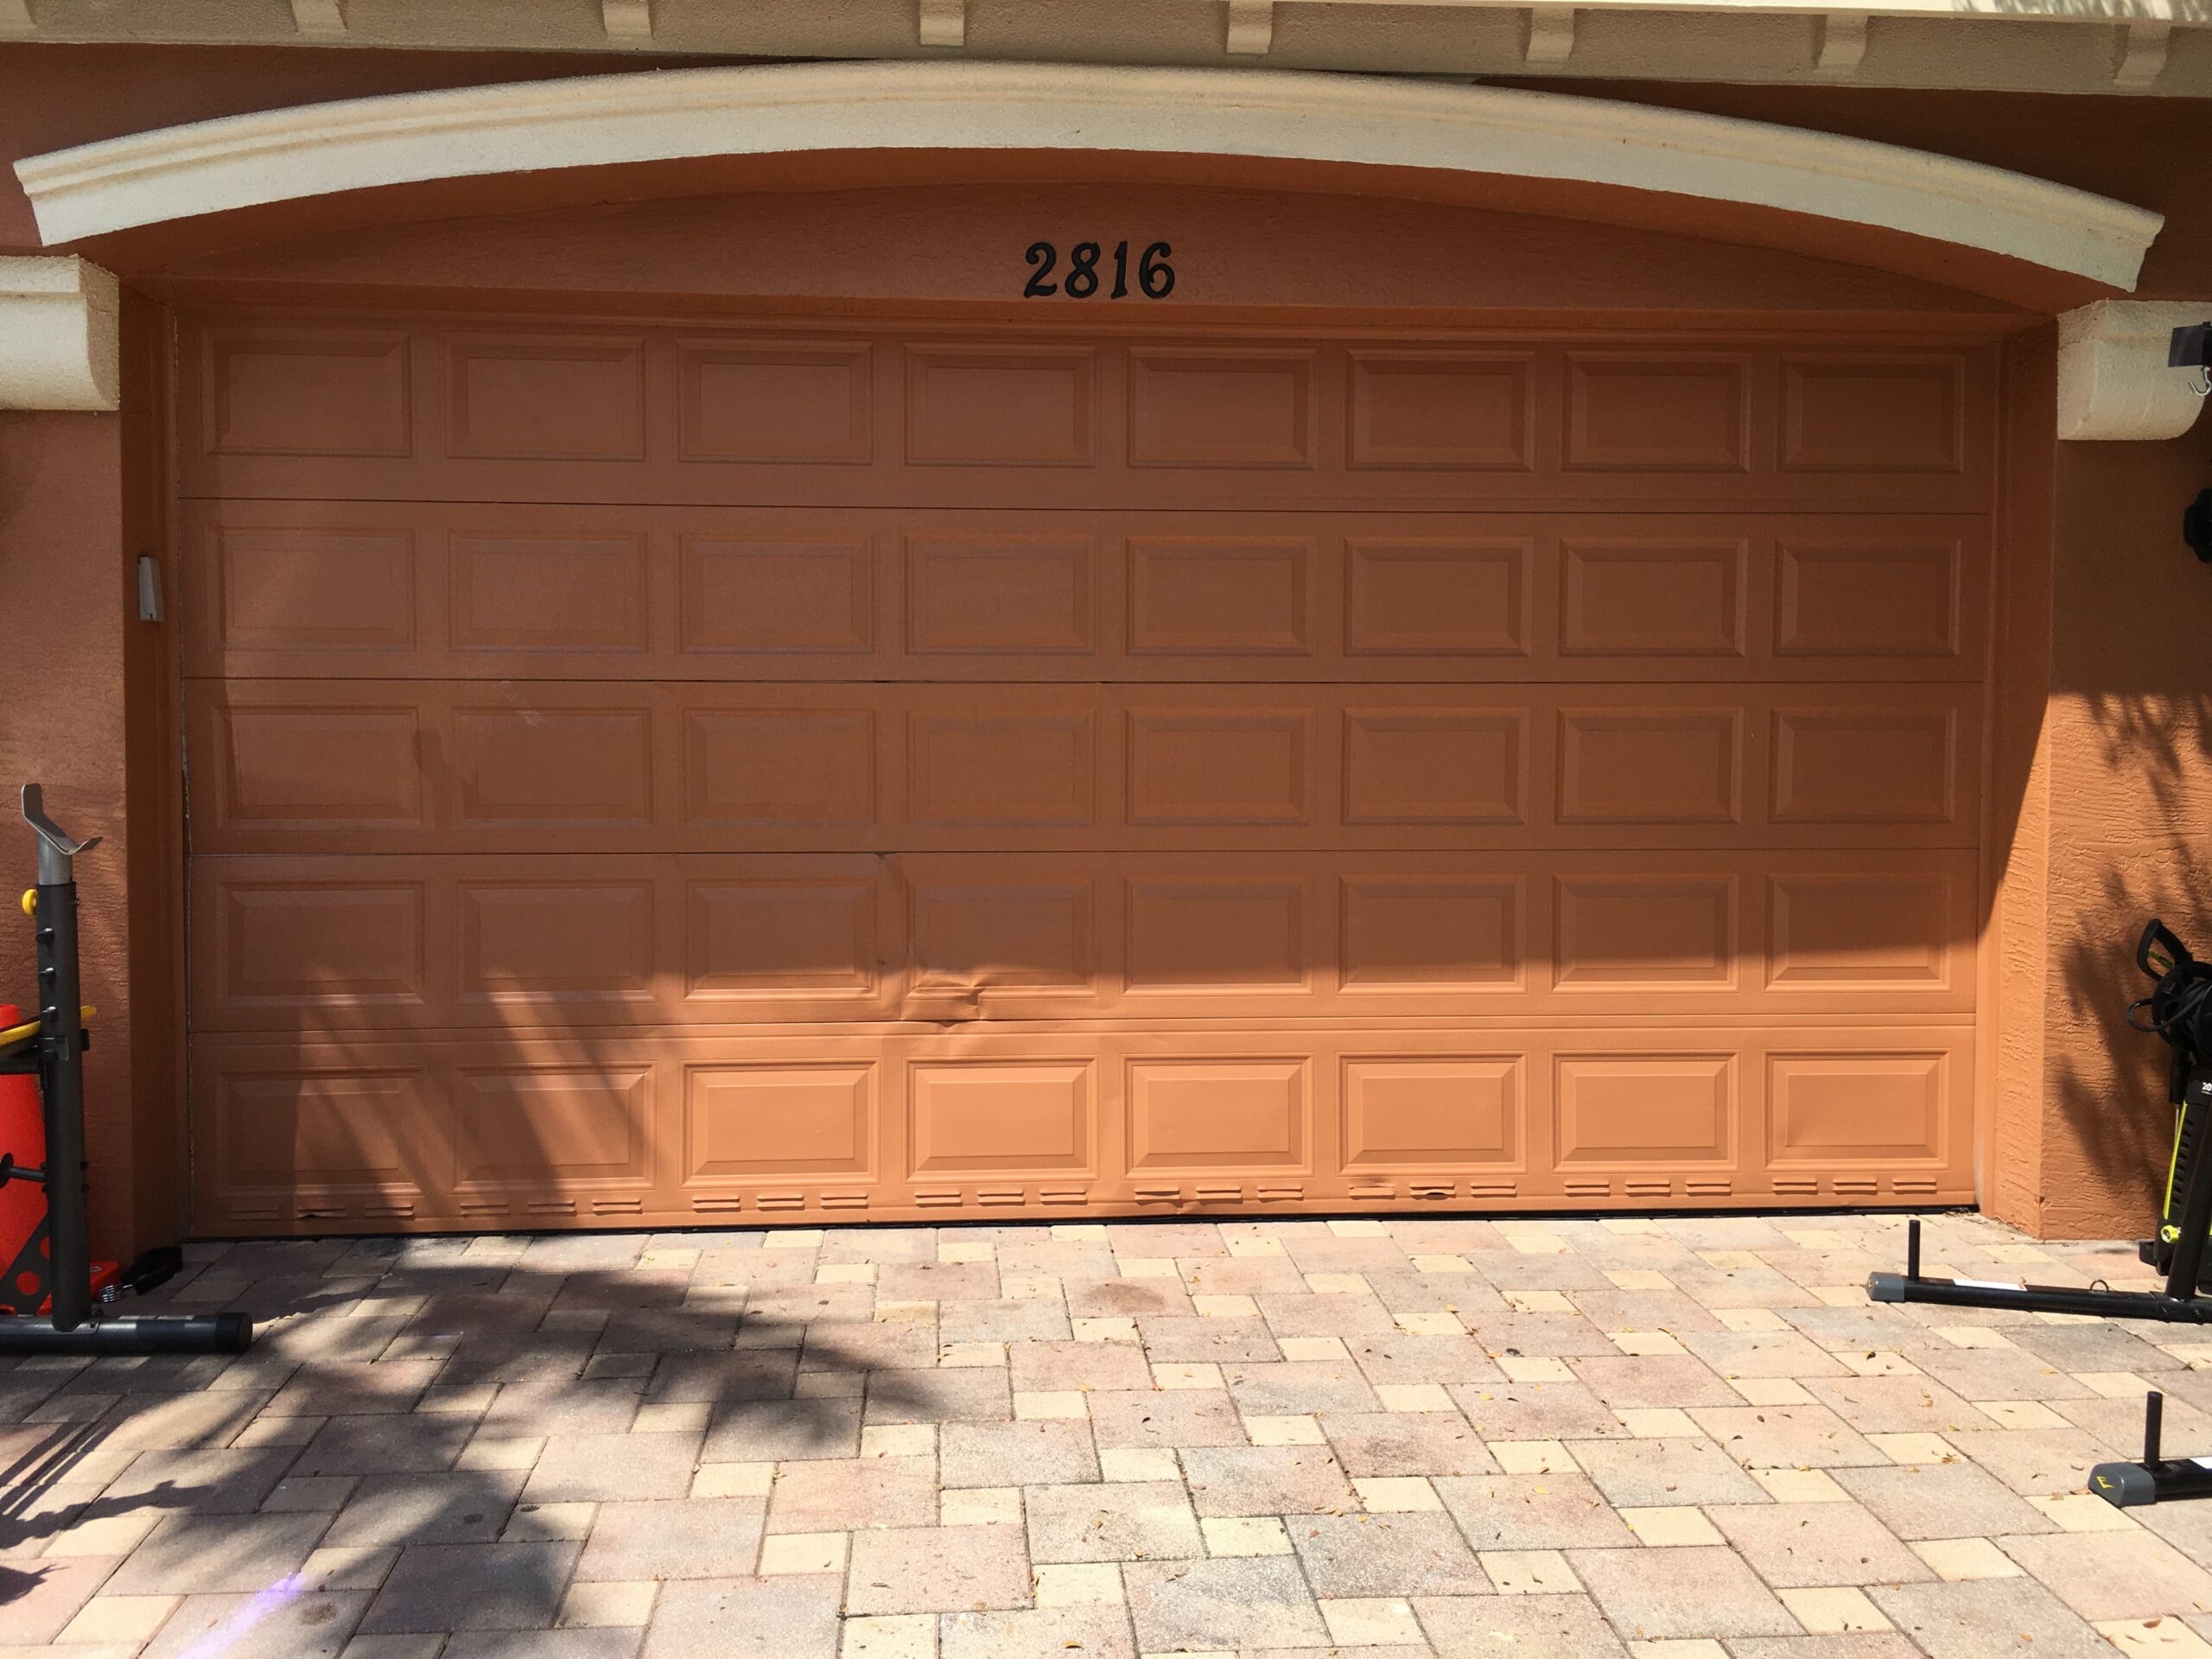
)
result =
(656, 775)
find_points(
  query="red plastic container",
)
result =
(25, 1252)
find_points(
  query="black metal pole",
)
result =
(61, 1037)
(2154, 1419)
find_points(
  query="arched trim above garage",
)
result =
(289, 154)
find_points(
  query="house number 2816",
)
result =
(1155, 277)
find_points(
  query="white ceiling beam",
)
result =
(1251, 28)
(944, 22)
(318, 150)
(1550, 35)
(627, 20)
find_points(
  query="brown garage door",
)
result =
(661, 774)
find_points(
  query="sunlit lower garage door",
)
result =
(670, 774)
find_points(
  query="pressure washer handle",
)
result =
(2157, 936)
(56, 847)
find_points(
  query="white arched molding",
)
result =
(2113, 381)
(245, 160)
(57, 334)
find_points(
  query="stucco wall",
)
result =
(2128, 736)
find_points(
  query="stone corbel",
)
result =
(323, 18)
(1251, 28)
(627, 20)
(2113, 378)
(942, 23)
(57, 334)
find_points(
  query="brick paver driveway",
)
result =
(1515, 1439)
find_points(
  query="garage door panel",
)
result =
(309, 387)
(430, 591)
(276, 767)
(865, 1122)
(755, 940)
(1651, 412)
(547, 592)
(1872, 412)
(332, 1135)
(313, 409)
(768, 593)
(541, 766)
(1002, 405)
(570, 949)
(774, 401)
(1441, 410)
(540, 944)
(990, 593)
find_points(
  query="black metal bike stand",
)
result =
(2180, 1245)
(2156, 1479)
(78, 1324)
(2175, 1306)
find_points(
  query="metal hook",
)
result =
(56, 847)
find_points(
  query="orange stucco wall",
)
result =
(2103, 776)
(62, 723)
(2128, 756)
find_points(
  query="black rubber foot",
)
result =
(192, 1333)
(2129, 1485)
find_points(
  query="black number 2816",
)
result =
(1156, 277)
